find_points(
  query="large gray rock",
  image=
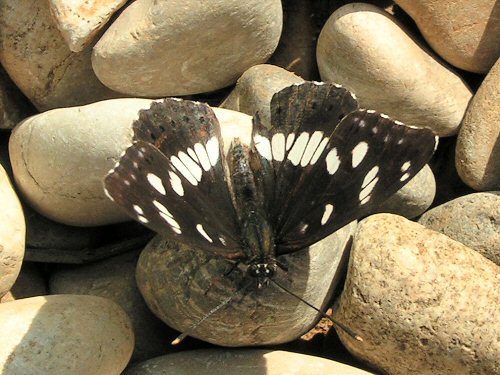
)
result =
(38, 60)
(62, 335)
(181, 284)
(473, 219)
(477, 156)
(464, 33)
(423, 303)
(12, 234)
(249, 362)
(181, 47)
(364, 49)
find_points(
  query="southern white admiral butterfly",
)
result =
(322, 164)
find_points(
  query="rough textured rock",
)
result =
(80, 20)
(423, 303)
(256, 87)
(182, 47)
(38, 60)
(252, 362)
(477, 157)
(181, 284)
(414, 198)
(114, 279)
(12, 234)
(60, 157)
(364, 49)
(14, 106)
(464, 33)
(473, 219)
(60, 335)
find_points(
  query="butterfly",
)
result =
(321, 164)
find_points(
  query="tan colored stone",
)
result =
(256, 87)
(181, 284)
(245, 362)
(62, 335)
(182, 47)
(464, 33)
(12, 234)
(364, 49)
(473, 219)
(423, 303)
(38, 60)
(60, 157)
(80, 20)
(114, 278)
(477, 156)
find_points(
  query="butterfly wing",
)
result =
(339, 164)
(173, 177)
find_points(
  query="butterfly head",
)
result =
(262, 271)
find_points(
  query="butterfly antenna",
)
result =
(191, 329)
(343, 327)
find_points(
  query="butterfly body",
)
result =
(322, 164)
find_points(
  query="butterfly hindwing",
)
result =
(367, 159)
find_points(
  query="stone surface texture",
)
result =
(12, 234)
(61, 335)
(473, 220)
(14, 106)
(80, 20)
(423, 303)
(38, 60)
(464, 33)
(181, 284)
(256, 87)
(247, 362)
(477, 156)
(364, 49)
(193, 46)
(114, 278)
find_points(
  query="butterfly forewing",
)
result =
(367, 159)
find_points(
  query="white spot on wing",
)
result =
(327, 213)
(359, 153)
(191, 165)
(200, 229)
(176, 183)
(364, 195)
(222, 241)
(192, 154)
(167, 216)
(263, 146)
(138, 209)
(370, 176)
(315, 140)
(298, 148)
(332, 161)
(202, 156)
(179, 165)
(319, 150)
(142, 219)
(404, 177)
(289, 140)
(155, 182)
(406, 165)
(278, 146)
(213, 150)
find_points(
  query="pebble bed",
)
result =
(84, 291)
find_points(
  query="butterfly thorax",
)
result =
(256, 233)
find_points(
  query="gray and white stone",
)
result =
(473, 220)
(61, 335)
(477, 156)
(422, 302)
(181, 284)
(182, 47)
(364, 49)
(247, 362)
(12, 234)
